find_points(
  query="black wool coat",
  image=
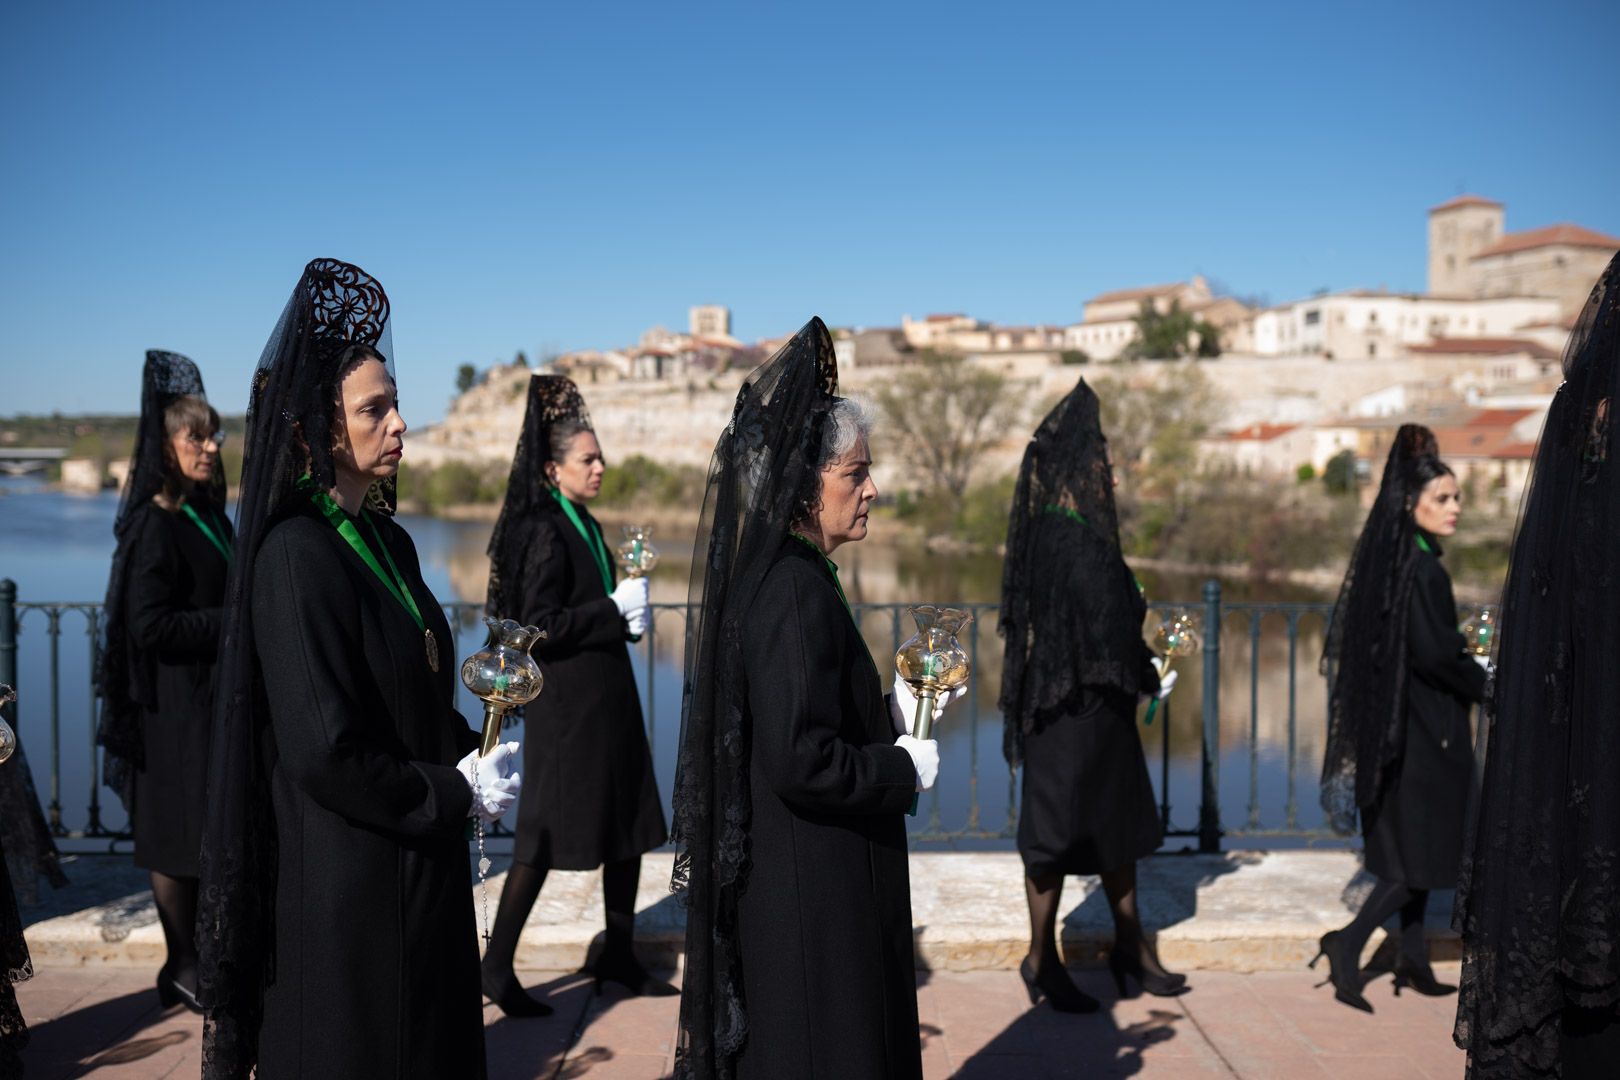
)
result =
(1414, 835)
(375, 964)
(173, 592)
(824, 919)
(589, 794)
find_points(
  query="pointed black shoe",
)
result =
(510, 997)
(1420, 977)
(628, 973)
(1344, 976)
(1159, 983)
(172, 992)
(1055, 985)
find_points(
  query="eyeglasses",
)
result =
(200, 441)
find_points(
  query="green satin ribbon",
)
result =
(393, 581)
(217, 539)
(593, 540)
(1423, 544)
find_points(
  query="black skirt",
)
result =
(1087, 798)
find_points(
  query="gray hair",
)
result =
(848, 422)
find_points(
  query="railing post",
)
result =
(8, 632)
(1209, 805)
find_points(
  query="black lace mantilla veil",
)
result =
(1364, 658)
(1071, 614)
(553, 399)
(295, 390)
(761, 468)
(1538, 905)
(123, 681)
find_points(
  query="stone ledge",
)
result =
(1241, 911)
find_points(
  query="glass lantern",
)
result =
(503, 675)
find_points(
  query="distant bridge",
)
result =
(22, 460)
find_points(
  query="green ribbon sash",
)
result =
(393, 580)
(593, 540)
(215, 538)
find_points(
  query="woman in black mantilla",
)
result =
(592, 799)
(27, 853)
(1076, 664)
(1399, 754)
(1539, 905)
(338, 937)
(795, 770)
(162, 629)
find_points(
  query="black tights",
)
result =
(176, 899)
(1044, 891)
(1387, 898)
(522, 889)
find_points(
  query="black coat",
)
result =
(375, 965)
(589, 794)
(824, 919)
(1415, 833)
(172, 599)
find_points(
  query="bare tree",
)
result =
(944, 412)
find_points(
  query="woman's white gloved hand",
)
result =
(1167, 683)
(903, 705)
(635, 623)
(494, 785)
(1485, 662)
(631, 596)
(924, 758)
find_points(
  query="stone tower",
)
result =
(1457, 230)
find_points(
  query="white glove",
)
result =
(924, 758)
(636, 622)
(1482, 661)
(630, 596)
(1167, 684)
(903, 705)
(494, 785)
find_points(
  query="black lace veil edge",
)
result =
(123, 681)
(1063, 526)
(1364, 655)
(757, 475)
(1538, 905)
(334, 306)
(552, 399)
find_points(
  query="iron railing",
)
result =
(39, 680)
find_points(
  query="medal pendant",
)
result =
(432, 649)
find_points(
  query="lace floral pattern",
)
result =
(757, 482)
(1071, 613)
(1538, 906)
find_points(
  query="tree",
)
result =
(1166, 335)
(1153, 428)
(1074, 356)
(944, 412)
(1339, 475)
(521, 359)
(466, 378)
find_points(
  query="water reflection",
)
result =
(57, 548)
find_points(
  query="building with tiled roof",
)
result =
(1472, 255)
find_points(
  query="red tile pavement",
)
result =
(105, 1022)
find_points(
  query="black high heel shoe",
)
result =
(1158, 983)
(1342, 973)
(172, 992)
(628, 973)
(510, 997)
(1059, 990)
(1420, 978)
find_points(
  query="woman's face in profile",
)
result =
(370, 441)
(847, 493)
(1439, 506)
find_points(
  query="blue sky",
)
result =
(545, 177)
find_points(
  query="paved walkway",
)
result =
(104, 1021)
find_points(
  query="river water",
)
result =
(56, 547)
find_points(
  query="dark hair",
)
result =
(562, 435)
(187, 414)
